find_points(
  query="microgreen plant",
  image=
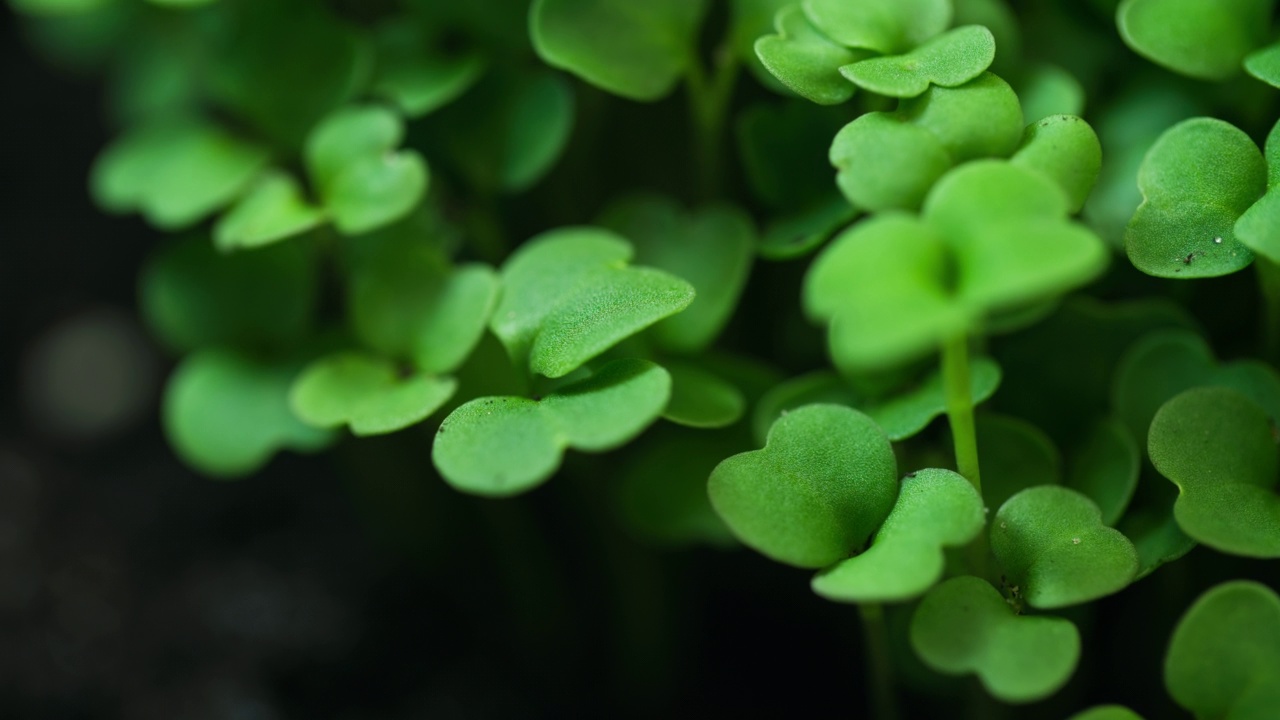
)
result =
(862, 300)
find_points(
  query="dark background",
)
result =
(353, 585)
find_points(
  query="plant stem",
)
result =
(1269, 283)
(708, 106)
(876, 643)
(955, 379)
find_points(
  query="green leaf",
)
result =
(569, 296)
(636, 50)
(885, 163)
(885, 26)
(1106, 467)
(1163, 364)
(1052, 544)
(1196, 181)
(407, 302)
(509, 131)
(1016, 455)
(1049, 90)
(1259, 227)
(416, 77)
(1205, 39)
(662, 493)
(174, 172)
(702, 399)
(366, 393)
(951, 59)
(806, 61)
(824, 481)
(1155, 534)
(783, 149)
(501, 446)
(935, 509)
(272, 210)
(1065, 149)
(1264, 64)
(908, 413)
(1219, 448)
(748, 21)
(58, 8)
(981, 118)
(963, 626)
(797, 235)
(1224, 655)
(193, 297)
(226, 414)
(1106, 712)
(365, 183)
(711, 248)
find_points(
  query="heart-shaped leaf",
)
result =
(1224, 655)
(1052, 544)
(885, 163)
(963, 626)
(509, 130)
(174, 172)
(805, 60)
(501, 446)
(953, 58)
(1107, 712)
(366, 393)
(273, 209)
(1066, 149)
(226, 414)
(1163, 364)
(1219, 448)
(711, 248)
(981, 118)
(935, 509)
(364, 181)
(407, 302)
(193, 296)
(1196, 181)
(1106, 467)
(1016, 455)
(636, 50)
(1205, 39)
(821, 485)
(885, 26)
(702, 399)
(569, 296)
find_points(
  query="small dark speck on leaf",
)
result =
(911, 475)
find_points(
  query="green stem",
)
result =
(955, 378)
(876, 643)
(708, 107)
(1269, 282)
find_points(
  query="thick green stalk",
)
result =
(1269, 282)
(875, 633)
(708, 107)
(955, 378)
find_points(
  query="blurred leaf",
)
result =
(366, 393)
(501, 446)
(797, 235)
(824, 481)
(1106, 467)
(783, 149)
(272, 210)
(1224, 655)
(885, 26)
(416, 74)
(1206, 39)
(1049, 90)
(1016, 455)
(175, 172)
(195, 297)
(935, 509)
(1106, 712)
(636, 50)
(700, 398)
(226, 415)
(963, 626)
